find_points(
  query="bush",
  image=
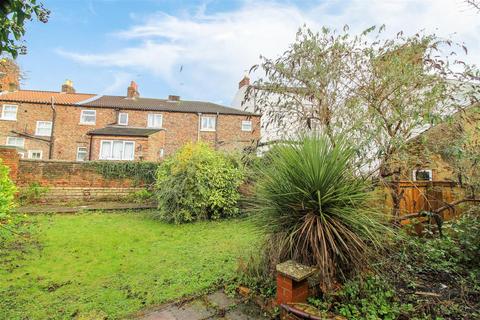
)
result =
(314, 208)
(198, 183)
(7, 192)
(32, 193)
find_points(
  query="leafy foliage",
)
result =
(141, 172)
(314, 208)
(32, 193)
(13, 16)
(198, 183)
(7, 192)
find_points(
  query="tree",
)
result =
(14, 14)
(378, 92)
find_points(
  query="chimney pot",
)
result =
(67, 86)
(173, 98)
(244, 82)
(132, 90)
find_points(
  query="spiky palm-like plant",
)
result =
(315, 209)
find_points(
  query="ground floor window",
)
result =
(16, 142)
(117, 150)
(35, 154)
(81, 154)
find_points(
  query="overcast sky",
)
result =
(200, 49)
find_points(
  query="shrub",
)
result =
(7, 192)
(32, 193)
(141, 172)
(314, 209)
(198, 183)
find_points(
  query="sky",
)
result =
(200, 50)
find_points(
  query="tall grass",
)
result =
(315, 210)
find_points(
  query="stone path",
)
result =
(216, 305)
(59, 208)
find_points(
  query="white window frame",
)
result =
(87, 122)
(153, 115)
(43, 135)
(22, 155)
(111, 150)
(203, 128)
(248, 123)
(3, 112)
(120, 117)
(15, 145)
(30, 153)
(78, 151)
(414, 174)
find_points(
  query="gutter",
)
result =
(52, 136)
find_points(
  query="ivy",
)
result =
(142, 173)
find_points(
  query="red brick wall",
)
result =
(65, 174)
(10, 158)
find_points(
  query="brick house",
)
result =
(73, 126)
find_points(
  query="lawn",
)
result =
(89, 266)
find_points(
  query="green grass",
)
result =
(93, 265)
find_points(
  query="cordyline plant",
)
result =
(314, 208)
(376, 91)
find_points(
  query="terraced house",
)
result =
(73, 126)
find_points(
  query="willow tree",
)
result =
(379, 92)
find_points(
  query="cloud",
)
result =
(214, 49)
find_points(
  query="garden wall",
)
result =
(66, 180)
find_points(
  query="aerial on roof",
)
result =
(104, 101)
(123, 131)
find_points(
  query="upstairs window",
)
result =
(207, 123)
(88, 117)
(44, 128)
(123, 119)
(155, 120)
(246, 125)
(117, 150)
(16, 142)
(9, 112)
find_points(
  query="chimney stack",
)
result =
(132, 91)
(67, 86)
(173, 98)
(9, 75)
(244, 82)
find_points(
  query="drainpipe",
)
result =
(199, 125)
(52, 136)
(216, 131)
(90, 149)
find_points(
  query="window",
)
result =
(9, 112)
(155, 120)
(207, 123)
(22, 155)
(117, 150)
(422, 175)
(81, 154)
(161, 153)
(44, 128)
(246, 125)
(123, 119)
(15, 142)
(34, 154)
(88, 117)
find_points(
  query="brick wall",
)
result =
(10, 158)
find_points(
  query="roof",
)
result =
(150, 104)
(123, 131)
(35, 96)
(122, 102)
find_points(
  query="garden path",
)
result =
(214, 306)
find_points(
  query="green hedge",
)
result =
(141, 172)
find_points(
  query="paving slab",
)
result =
(220, 300)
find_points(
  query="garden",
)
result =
(318, 198)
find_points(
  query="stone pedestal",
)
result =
(292, 284)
